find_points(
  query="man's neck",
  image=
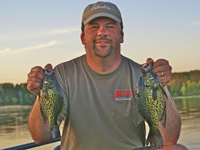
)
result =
(103, 65)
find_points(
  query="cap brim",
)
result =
(102, 14)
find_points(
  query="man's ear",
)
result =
(122, 37)
(83, 38)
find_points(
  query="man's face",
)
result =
(102, 37)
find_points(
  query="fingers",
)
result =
(161, 65)
(35, 78)
(34, 88)
(149, 60)
(163, 70)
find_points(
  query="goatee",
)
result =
(98, 53)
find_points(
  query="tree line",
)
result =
(18, 94)
(182, 84)
(185, 83)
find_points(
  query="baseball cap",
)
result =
(101, 9)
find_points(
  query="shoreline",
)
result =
(29, 106)
(15, 106)
(181, 97)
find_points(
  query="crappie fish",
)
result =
(150, 105)
(51, 102)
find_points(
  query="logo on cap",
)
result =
(99, 7)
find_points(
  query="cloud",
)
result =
(8, 51)
(61, 31)
(5, 51)
(52, 43)
(19, 36)
(196, 23)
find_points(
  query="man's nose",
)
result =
(102, 31)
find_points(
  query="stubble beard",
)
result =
(98, 53)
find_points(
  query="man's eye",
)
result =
(94, 27)
(110, 27)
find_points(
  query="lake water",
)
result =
(14, 128)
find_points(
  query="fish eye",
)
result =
(145, 65)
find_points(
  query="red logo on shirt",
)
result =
(123, 94)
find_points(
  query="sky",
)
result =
(37, 32)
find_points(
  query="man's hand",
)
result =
(35, 78)
(163, 70)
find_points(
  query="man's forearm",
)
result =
(39, 130)
(171, 132)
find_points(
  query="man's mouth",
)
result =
(102, 42)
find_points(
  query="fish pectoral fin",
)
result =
(137, 117)
(163, 118)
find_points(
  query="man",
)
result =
(97, 117)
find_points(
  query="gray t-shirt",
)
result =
(98, 108)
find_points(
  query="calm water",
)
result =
(14, 127)
(189, 110)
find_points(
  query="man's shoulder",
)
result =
(132, 63)
(70, 63)
(134, 69)
(67, 70)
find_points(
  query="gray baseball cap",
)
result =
(101, 9)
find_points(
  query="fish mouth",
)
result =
(146, 67)
(48, 71)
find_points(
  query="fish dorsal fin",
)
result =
(163, 119)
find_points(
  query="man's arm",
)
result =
(39, 130)
(172, 130)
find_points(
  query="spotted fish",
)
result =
(51, 102)
(150, 105)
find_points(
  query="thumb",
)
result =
(49, 66)
(149, 60)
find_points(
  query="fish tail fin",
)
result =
(54, 132)
(155, 139)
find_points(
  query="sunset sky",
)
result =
(37, 32)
